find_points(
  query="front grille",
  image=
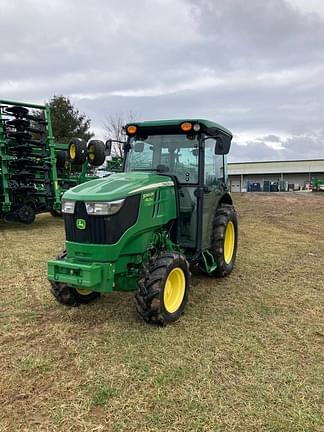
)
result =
(101, 229)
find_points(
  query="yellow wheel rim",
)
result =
(72, 151)
(83, 292)
(174, 290)
(229, 242)
(91, 152)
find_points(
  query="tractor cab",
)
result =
(192, 153)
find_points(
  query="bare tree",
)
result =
(113, 126)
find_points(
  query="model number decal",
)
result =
(148, 198)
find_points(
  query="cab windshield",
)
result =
(171, 154)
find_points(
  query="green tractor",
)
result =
(143, 229)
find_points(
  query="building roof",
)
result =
(277, 167)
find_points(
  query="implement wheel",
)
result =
(77, 151)
(69, 296)
(164, 289)
(26, 214)
(96, 152)
(56, 213)
(224, 241)
(61, 158)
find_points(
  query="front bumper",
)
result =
(94, 276)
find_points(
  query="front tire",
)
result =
(69, 296)
(164, 290)
(224, 241)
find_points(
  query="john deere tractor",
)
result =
(143, 229)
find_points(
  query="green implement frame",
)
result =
(35, 170)
(28, 175)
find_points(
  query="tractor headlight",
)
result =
(68, 206)
(104, 208)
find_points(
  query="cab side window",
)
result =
(213, 164)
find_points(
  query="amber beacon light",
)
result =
(186, 126)
(131, 130)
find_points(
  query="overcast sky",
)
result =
(255, 66)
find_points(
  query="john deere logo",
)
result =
(81, 224)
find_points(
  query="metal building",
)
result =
(297, 174)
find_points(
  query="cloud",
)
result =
(256, 67)
(261, 33)
(305, 146)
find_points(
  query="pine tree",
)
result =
(67, 121)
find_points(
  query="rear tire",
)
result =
(224, 240)
(164, 289)
(69, 296)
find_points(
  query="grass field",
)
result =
(247, 355)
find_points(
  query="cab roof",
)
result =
(207, 126)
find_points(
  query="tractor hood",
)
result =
(117, 186)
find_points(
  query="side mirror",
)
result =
(223, 144)
(139, 147)
(108, 146)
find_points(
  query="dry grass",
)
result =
(246, 356)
